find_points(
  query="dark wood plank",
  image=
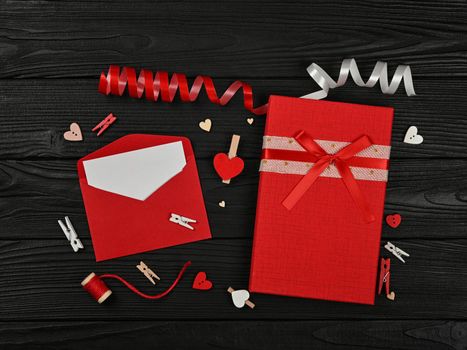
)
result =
(35, 129)
(240, 39)
(304, 335)
(55, 39)
(40, 280)
(269, 44)
(430, 195)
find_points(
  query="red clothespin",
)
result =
(384, 275)
(104, 124)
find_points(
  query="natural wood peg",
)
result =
(233, 150)
(250, 304)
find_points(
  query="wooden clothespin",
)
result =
(229, 165)
(71, 234)
(385, 278)
(147, 272)
(105, 123)
(240, 298)
(182, 221)
(233, 151)
(384, 275)
(396, 251)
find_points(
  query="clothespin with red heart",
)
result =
(229, 165)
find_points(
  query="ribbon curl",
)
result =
(152, 85)
(323, 160)
(380, 73)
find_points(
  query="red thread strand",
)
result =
(152, 86)
(147, 296)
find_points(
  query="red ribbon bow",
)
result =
(341, 160)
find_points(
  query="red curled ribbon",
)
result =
(342, 160)
(152, 85)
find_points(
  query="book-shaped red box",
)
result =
(321, 196)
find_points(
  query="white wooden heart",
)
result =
(222, 204)
(205, 125)
(250, 120)
(239, 297)
(412, 137)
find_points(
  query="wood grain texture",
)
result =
(248, 39)
(430, 195)
(33, 128)
(267, 43)
(40, 280)
(238, 335)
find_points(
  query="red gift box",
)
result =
(321, 195)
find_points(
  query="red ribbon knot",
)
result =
(342, 161)
(331, 158)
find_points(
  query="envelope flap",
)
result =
(136, 165)
(133, 142)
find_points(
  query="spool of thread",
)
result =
(95, 286)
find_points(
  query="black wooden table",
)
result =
(51, 55)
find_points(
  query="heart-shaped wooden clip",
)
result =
(412, 137)
(74, 134)
(205, 125)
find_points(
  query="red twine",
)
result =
(152, 85)
(94, 285)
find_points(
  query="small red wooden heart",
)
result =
(226, 167)
(201, 282)
(393, 220)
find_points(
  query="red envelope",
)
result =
(130, 189)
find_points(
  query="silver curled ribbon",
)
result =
(380, 73)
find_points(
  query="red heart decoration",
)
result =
(226, 167)
(201, 282)
(393, 220)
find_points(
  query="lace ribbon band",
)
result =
(285, 155)
(314, 158)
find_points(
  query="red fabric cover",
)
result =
(122, 226)
(322, 248)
